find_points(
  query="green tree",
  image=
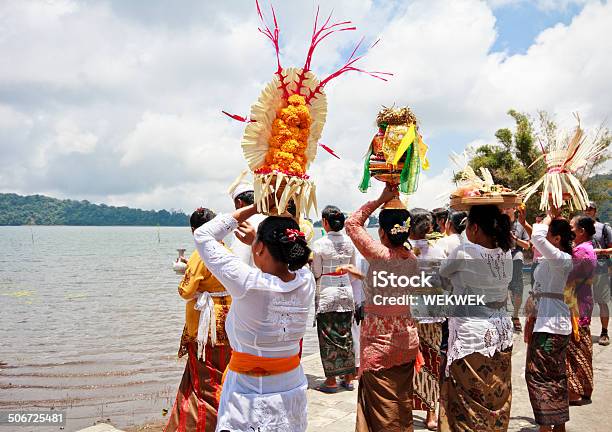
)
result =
(515, 159)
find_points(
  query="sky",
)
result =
(119, 102)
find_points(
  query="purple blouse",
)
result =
(581, 280)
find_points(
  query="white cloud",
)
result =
(118, 102)
(545, 5)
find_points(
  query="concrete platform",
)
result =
(336, 412)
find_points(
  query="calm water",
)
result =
(90, 322)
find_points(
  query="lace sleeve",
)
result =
(234, 275)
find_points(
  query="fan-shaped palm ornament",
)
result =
(563, 158)
(285, 125)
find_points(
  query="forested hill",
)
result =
(42, 210)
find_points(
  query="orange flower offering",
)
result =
(289, 139)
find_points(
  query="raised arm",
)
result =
(522, 218)
(363, 241)
(538, 238)
(234, 275)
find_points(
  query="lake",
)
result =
(90, 322)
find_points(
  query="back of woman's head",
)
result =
(200, 217)
(562, 228)
(458, 220)
(493, 223)
(334, 217)
(421, 222)
(284, 241)
(587, 223)
(395, 224)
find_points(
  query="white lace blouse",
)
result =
(267, 318)
(550, 276)
(473, 269)
(334, 292)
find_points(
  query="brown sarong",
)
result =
(384, 400)
(196, 404)
(477, 394)
(579, 363)
(546, 378)
(336, 343)
(427, 380)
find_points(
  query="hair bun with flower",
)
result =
(403, 228)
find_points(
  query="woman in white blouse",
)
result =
(476, 391)
(545, 366)
(455, 225)
(264, 387)
(334, 301)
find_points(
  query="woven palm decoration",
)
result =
(564, 157)
(282, 135)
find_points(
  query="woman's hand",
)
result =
(351, 269)
(388, 193)
(245, 233)
(554, 213)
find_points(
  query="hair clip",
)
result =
(293, 234)
(403, 228)
(200, 210)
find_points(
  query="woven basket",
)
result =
(502, 201)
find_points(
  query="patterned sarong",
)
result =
(477, 394)
(384, 400)
(547, 379)
(196, 404)
(579, 363)
(427, 380)
(336, 343)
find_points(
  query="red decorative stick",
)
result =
(329, 150)
(238, 117)
(274, 37)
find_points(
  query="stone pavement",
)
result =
(336, 412)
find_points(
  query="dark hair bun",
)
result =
(421, 222)
(587, 223)
(334, 217)
(563, 229)
(458, 220)
(284, 241)
(493, 224)
(200, 217)
(387, 220)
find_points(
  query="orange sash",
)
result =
(252, 365)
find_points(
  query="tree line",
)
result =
(42, 210)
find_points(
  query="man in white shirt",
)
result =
(242, 194)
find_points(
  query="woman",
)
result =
(547, 345)
(204, 341)
(389, 339)
(426, 381)
(579, 362)
(334, 302)
(455, 225)
(476, 392)
(264, 386)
